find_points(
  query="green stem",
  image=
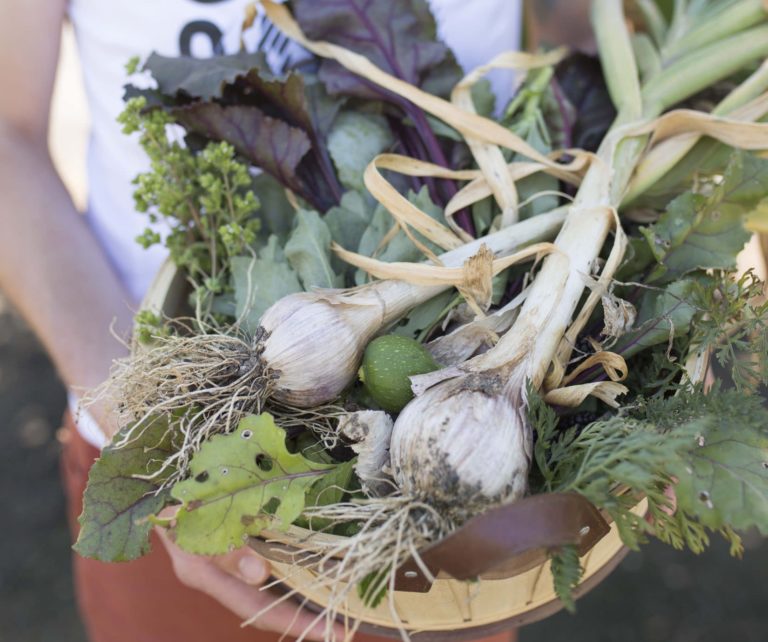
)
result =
(654, 20)
(751, 88)
(616, 57)
(732, 19)
(678, 23)
(702, 68)
(647, 56)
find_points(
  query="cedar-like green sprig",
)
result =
(567, 571)
(733, 323)
(712, 449)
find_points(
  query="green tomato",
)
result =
(388, 363)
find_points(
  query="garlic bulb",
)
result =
(314, 341)
(462, 444)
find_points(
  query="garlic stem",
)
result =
(723, 22)
(315, 340)
(444, 442)
(590, 218)
(663, 158)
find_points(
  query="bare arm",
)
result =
(553, 23)
(56, 274)
(51, 267)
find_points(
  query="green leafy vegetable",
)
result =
(373, 588)
(308, 250)
(355, 139)
(705, 231)
(723, 475)
(233, 480)
(566, 574)
(260, 281)
(399, 247)
(550, 446)
(276, 213)
(330, 489)
(124, 489)
(203, 78)
(733, 323)
(525, 117)
(426, 316)
(715, 445)
(347, 223)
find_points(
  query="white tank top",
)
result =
(110, 32)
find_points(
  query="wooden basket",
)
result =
(491, 575)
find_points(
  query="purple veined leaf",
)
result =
(245, 80)
(271, 144)
(297, 97)
(398, 36)
(301, 101)
(284, 94)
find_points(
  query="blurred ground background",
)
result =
(658, 595)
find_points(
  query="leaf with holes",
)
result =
(707, 231)
(723, 478)
(114, 526)
(239, 484)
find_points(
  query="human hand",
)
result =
(235, 580)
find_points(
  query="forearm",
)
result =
(53, 270)
(555, 23)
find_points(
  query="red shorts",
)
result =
(142, 601)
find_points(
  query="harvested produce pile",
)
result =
(424, 306)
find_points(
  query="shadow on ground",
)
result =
(658, 595)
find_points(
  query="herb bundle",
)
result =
(616, 370)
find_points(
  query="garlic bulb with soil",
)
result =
(313, 342)
(462, 444)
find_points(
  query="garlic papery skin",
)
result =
(463, 444)
(370, 433)
(313, 346)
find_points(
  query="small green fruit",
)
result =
(387, 363)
